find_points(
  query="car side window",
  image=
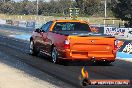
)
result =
(46, 26)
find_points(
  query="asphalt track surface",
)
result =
(70, 73)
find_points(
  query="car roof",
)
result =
(71, 21)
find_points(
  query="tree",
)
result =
(64, 6)
(7, 8)
(26, 7)
(30, 8)
(123, 9)
(53, 7)
(89, 7)
(5, 1)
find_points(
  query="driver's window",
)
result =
(43, 27)
(46, 26)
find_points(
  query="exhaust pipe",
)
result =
(93, 60)
(104, 60)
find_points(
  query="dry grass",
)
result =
(43, 19)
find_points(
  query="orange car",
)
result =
(72, 40)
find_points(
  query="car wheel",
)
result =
(54, 55)
(33, 50)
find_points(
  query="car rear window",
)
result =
(71, 26)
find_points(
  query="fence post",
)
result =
(113, 21)
(21, 17)
(123, 22)
(104, 22)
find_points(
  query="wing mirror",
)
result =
(38, 30)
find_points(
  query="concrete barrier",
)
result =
(2, 21)
(31, 24)
(22, 24)
(119, 32)
(15, 23)
(9, 22)
(16, 28)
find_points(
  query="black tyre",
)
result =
(54, 55)
(33, 50)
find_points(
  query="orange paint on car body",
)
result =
(77, 42)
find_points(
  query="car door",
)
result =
(45, 28)
(37, 38)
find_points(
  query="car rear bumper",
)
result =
(84, 55)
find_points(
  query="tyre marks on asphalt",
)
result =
(17, 74)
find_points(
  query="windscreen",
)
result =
(71, 26)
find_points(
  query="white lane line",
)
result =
(125, 59)
(11, 35)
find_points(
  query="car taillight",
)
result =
(67, 44)
(115, 45)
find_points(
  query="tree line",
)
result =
(54, 7)
(121, 9)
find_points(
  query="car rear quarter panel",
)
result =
(57, 40)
